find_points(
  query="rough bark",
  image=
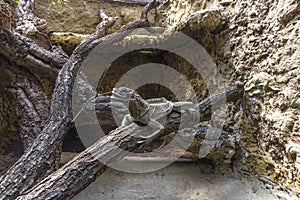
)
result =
(85, 167)
(30, 25)
(27, 92)
(32, 105)
(41, 157)
(102, 104)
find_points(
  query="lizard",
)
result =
(147, 112)
(129, 107)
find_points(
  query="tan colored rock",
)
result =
(261, 47)
(67, 40)
(82, 16)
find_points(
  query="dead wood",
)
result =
(41, 158)
(84, 168)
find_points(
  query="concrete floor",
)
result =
(179, 181)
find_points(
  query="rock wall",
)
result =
(258, 44)
(70, 22)
(82, 16)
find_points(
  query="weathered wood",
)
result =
(102, 105)
(41, 157)
(85, 167)
(27, 53)
(31, 103)
(30, 25)
(230, 94)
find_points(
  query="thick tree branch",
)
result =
(27, 53)
(84, 168)
(231, 94)
(41, 157)
(32, 105)
(30, 25)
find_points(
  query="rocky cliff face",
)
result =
(82, 16)
(70, 22)
(256, 42)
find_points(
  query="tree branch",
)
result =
(30, 25)
(231, 94)
(41, 157)
(27, 53)
(85, 167)
(32, 105)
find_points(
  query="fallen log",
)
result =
(86, 167)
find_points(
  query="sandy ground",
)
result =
(181, 181)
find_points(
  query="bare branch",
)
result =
(85, 167)
(231, 93)
(153, 4)
(41, 157)
(30, 25)
(25, 52)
